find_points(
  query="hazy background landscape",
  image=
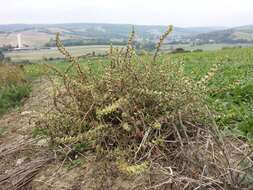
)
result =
(38, 39)
(87, 27)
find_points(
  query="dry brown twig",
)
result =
(21, 176)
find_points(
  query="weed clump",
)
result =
(11, 75)
(130, 100)
(142, 112)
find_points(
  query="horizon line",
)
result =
(114, 23)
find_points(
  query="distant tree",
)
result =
(180, 50)
(7, 59)
(146, 45)
(197, 50)
(150, 46)
(1, 56)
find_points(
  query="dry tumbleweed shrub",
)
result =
(149, 117)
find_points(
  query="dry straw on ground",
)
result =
(20, 177)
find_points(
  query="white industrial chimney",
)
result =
(19, 41)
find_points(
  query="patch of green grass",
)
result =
(74, 164)
(11, 96)
(231, 89)
(2, 131)
(39, 132)
(237, 108)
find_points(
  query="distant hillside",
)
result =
(40, 35)
(242, 34)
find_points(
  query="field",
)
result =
(230, 90)
(31, 38)
(204, 47)
(35, 55)
(125, 138)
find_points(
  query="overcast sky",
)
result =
(150, 12)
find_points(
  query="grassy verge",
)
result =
(15, 84)
(15, 80)
(12, 96)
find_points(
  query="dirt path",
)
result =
(21, 156)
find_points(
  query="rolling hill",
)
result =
(243, 34)
(38, 35)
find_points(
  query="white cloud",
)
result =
(177, 12)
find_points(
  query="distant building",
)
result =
(19, 41)
(20, 45)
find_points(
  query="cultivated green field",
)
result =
(204, 47)
(231, 89)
